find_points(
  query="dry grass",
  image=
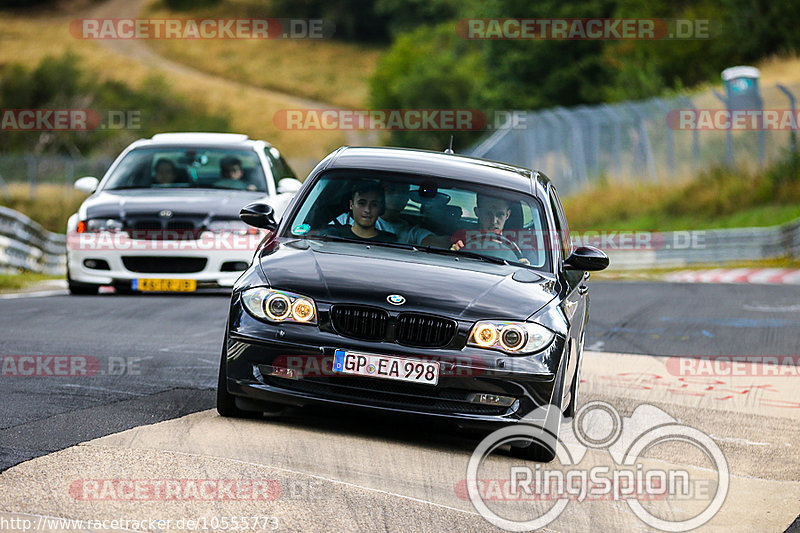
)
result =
(716, 199)
(22, 280)
(50, 205)
(28, 39)
(326, 70)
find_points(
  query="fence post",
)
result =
(662, 105)
(695, 137)
(32, 169)
(577, 156)
(728, 134)
(644, 141)
(616, 138)
(792, 106)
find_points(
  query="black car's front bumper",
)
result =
(291, 364)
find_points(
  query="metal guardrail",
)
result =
(714, 246)
(24, 244)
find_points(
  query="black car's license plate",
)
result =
(386, 367)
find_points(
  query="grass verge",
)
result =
(50, 205)
(719, 198)
(657, 274)
(23, 280)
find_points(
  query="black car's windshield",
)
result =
(427, 214)
(194, 167)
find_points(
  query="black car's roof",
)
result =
(440, 164)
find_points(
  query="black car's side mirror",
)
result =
(259, 215)
(587, 258)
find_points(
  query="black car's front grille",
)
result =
(164, 265)
(424, 330)
(388, 393)
(360, 322)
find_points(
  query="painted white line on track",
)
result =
(102, 389)
(36, 294)
(739, 441)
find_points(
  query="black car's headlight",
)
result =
(279, 306)
(510, 337)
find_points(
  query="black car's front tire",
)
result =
(540, 450)
(226, 402)
(574, 387)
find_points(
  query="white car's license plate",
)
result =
(386, 367)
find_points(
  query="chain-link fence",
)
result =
(639, 141)
(33, 169)
(37, 169)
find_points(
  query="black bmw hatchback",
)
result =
(415, 282)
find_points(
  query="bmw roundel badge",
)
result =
(395, 299)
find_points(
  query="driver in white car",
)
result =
(492, 213)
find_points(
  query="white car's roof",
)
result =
(199, 137)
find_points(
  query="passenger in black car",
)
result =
(367, 203)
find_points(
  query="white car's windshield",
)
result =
(174, 168)
(421, 212)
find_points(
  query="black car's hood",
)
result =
(460, 288)
(137, 202)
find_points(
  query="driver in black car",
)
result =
(367, 203)
(492, 213)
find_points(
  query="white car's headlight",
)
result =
(230, 226)
(510, 337)
(279, 306)
(103, 224)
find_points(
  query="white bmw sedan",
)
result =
(165, 217)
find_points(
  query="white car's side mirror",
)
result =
(289, 185)
(87, 184)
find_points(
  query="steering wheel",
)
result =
(499, 238)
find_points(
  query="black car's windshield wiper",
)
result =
(467, 253)
(362, 241)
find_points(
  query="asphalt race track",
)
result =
(154, 359)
